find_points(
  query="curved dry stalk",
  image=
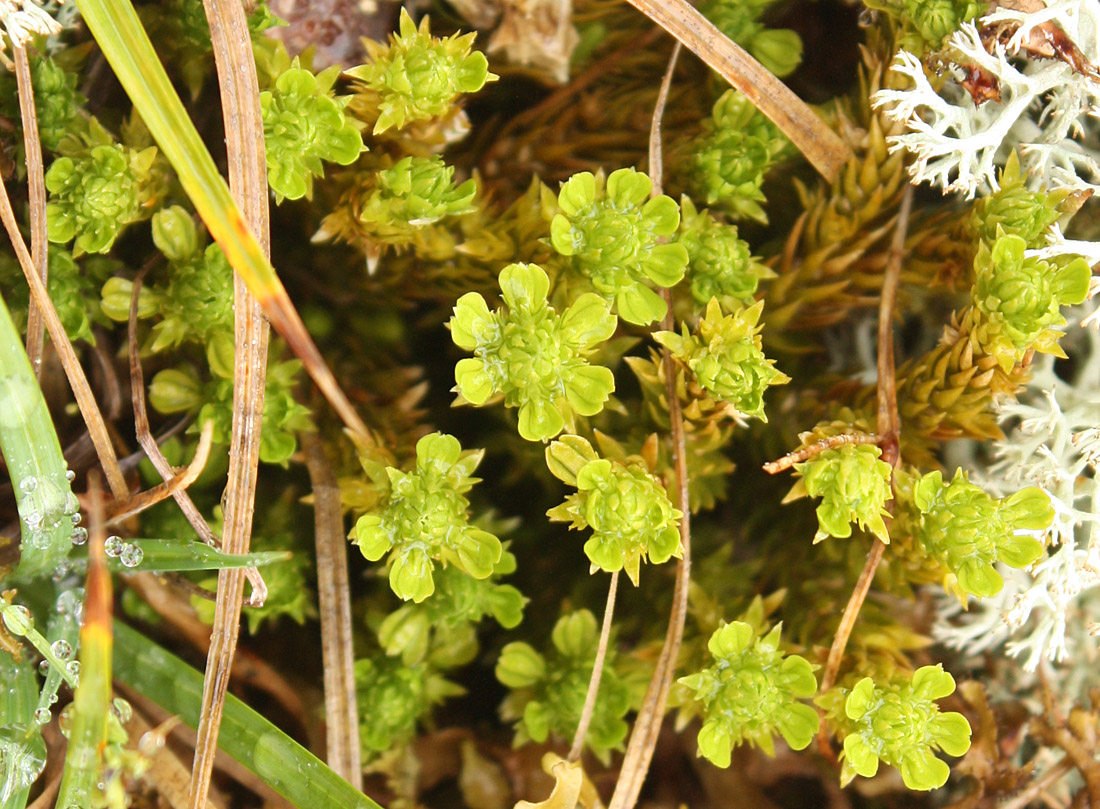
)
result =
(78, 381)
(821, 146)
(597, 672)
(816, 448)
(888, 426)
(334, 600)
(244, 137)
(36, 193)
(643, 739)
(145, 435)
(119, 510)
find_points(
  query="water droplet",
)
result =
(131, 556)
(43, 667)
(61, 649)
(28, 484)
(122, 709)
(77, 518)
(113, 546)
(73, 668)
(867, 18)
(53, 699)
(79, 535)
(42, 716)
(72, 505)
(70, 475)
(18, 619)
(65, 720)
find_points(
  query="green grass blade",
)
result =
(33, 455)
(169, 555)
(92, 698)
(282, 763)
(18, 696)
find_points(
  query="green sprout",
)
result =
(626, 507)
(752, 692)
(901, 725)
(548, 691)
(424, 520)
(853, 483)
(779, 50)
(720, 264)
(304, 124)
(418, 77)
(532, 355)
(969, 531)
(727, 357)
(615, 234)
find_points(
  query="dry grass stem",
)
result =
(244, 133)
(822, 147)
(334, 601)
(597, 671)
(643, 738)
(78, 381)
(119, 510)
(36, 193)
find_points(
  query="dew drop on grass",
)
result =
(131, 556)
(42, 716)
(79, 535)
(28, 484)
(113, 546)
(122, 710)
(73, 668)
(61, 649)
(70, 475)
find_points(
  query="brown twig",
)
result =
(78, 381)
(643, 739)
(597, 672)
(119, 510)
(816, 448)
(244, 136)
(888, 428)
(145, 434)
(821, 146)
(334, 600)
(36, 192)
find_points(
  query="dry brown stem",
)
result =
(597, 672)
(243, 122)
(36, 193)
(334, 601)
(821, 146)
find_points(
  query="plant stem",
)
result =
(816, 448)
(36, 193)
(334, 597)
(821, 146)
(597, 672)
(244, 137)
(643, 739)
(888, 428)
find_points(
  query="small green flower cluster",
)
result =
(900, 725)
(626, 507)
(549, 690)
(727, 357)
(615, 235)
(854, 484)
(419, 77)
(71, 287)
(399, 696)
(57, 102)
(969, 531)
(195, 304)
(535, 357)
(413, 193)
(442, 629)
(304, 124)
(1014, 210)
(95, 194)
(752, 692)
(737, 146)
(1019, 298)
(720, 264)
(779, 50)
(178, 390)
(424, 520)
